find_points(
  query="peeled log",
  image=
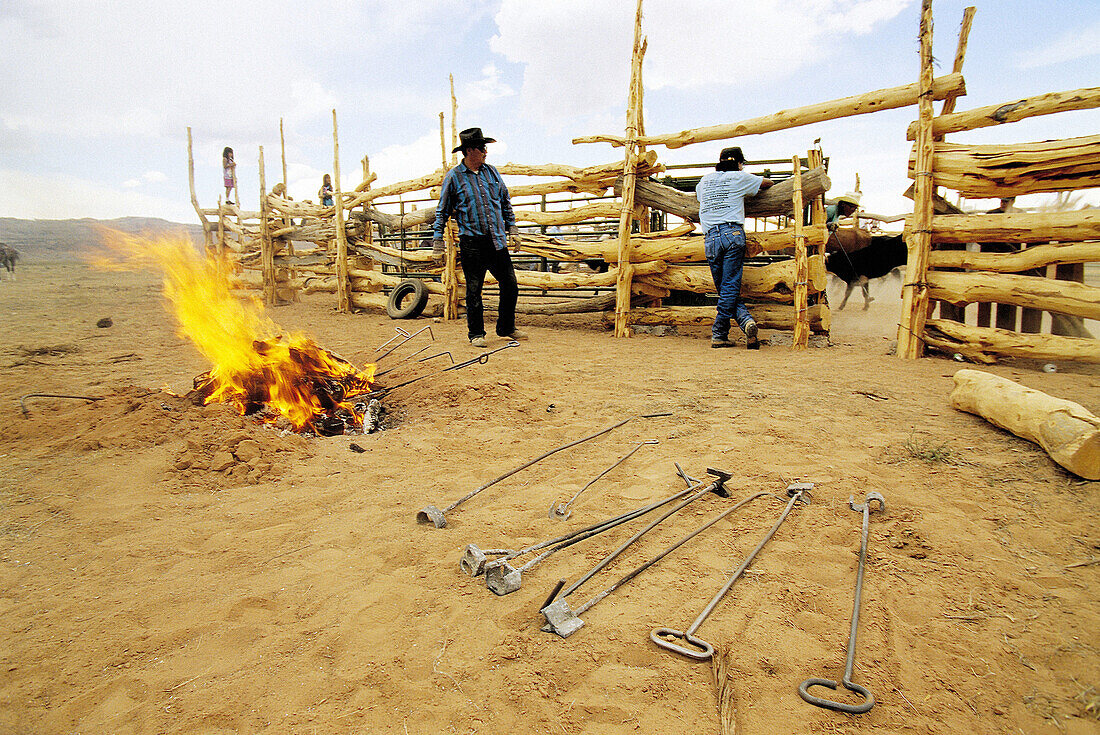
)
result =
(767, 316)
(982, 344)
(949, 85)
(396, 221)
(979, 171)
(1037, 256)
(1032, 292)
(1083, 224)
(981, 117)
(551, 281)
(679, 249)
(776, 200)
(773, 282)
(647, 164)
(1068, 432)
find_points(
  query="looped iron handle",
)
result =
(853, 709)
(865, 508)
(702, 651)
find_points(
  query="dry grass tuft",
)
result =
(720, 666)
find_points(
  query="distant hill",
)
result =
(64, 239)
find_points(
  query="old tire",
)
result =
(407, 299)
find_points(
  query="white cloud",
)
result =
(489, 88)
(404, 161)
(1074, 45)
(582, 68)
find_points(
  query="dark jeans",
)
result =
(478, 256)
(725, 250)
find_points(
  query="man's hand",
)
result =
(513, 231)
(439, 252)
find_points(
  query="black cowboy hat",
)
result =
(729, 159)
(472, 138)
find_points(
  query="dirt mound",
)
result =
(208, 446)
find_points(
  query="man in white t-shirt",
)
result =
(722, 213)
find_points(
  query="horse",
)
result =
(8, 256)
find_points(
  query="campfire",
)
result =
(256, 365)
(310, 387)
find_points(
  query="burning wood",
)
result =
(255, 366)
(311, 387)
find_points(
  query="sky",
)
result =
(96, 95)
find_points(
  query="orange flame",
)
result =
(254, 365)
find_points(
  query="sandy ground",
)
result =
(172, 569)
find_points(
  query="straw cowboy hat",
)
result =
(472, 138)
(851, 197)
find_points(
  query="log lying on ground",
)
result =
(981, 117)
(1068, 432)
(1037, 256)
(776, 200)
(949, 85)
(1048, 294)
(772, 282)
(767, 316)
(984, 344)
(1083, 224)
(979, 171)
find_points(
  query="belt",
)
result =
(730, 224)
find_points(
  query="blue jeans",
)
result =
(725, 250)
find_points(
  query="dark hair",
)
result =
(326, 180)
(227, 152)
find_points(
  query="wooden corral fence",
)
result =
(1026, 245)
(361, 243)
(581, 200)
(796, 239)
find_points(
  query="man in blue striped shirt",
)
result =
(475, 195)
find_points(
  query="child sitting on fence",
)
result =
(325, 192)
